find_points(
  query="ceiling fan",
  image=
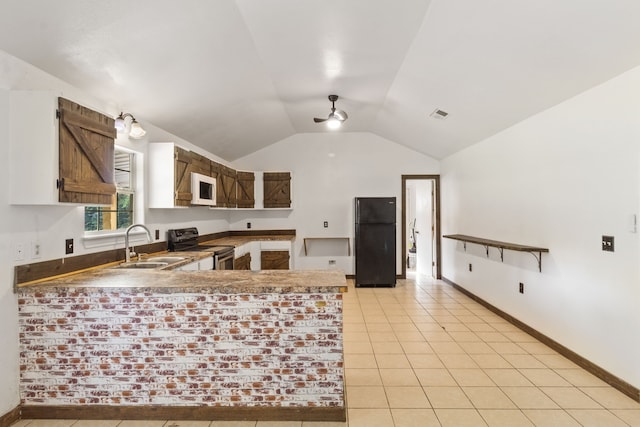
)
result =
(336, 117)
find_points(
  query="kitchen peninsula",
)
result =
(114, 343)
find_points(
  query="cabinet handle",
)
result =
(60, 183)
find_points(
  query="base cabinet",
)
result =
(242, 262)
(194, 266)
(203, 264)
(206, 264)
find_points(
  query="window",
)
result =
(120, 213)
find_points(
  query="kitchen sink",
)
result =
(167, 259)
(143, 264)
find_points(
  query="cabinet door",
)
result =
(187, 162)
(245, 189)
(193, 266)
(182, 174)
(86, 144)
(243, 262)
(277, 189)
(226, 183)
(206, 263)
(274, 260)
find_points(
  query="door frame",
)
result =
(436, 181)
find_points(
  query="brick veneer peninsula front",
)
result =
(267, 342)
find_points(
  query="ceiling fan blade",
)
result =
(341, 115)
(317, 120)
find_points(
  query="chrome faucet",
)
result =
(128, 252)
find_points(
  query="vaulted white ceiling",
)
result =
(236, 76)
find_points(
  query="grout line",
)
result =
(451, 302)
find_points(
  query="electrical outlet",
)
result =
(332, 262)
(326, 224)
(18, 253)
(68, 246)
(607, 243)
(248, 225)
(35, 249)
(470, 267)
(157, 234)
(521, 288)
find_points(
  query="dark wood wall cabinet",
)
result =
(187, 162)
(245, 193)
(277, 189)
(226, 185)
(501, 246)
(274, 260)
(234, 189)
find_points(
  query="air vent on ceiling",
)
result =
(439, 114)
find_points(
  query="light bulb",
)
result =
(333, 123)
(119, 123)
(136, 130)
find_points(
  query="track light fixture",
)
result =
(136, 131)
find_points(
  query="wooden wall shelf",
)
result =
(501, 246)
(310, 239)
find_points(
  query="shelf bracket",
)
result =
(539, 259)
(501, 249)
(486, 248)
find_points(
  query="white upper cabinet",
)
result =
(162, 180)
(84, 167)
(170, 171)
(33, 148)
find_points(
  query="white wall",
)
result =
(8, 302)
(328, 171)
(561, 180)
(51, 225)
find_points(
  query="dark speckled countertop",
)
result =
(165, 280)
(210, 281)
(241, 240)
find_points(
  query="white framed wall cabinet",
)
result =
(61, 152)
(33, 128)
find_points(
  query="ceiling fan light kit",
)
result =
(336, 117)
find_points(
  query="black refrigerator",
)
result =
(375, 241)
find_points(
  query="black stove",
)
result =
(186, 240)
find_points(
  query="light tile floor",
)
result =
(423, 354)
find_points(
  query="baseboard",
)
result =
(188, 413)
(10, 417)
(589, 366)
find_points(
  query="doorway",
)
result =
(421, 225)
